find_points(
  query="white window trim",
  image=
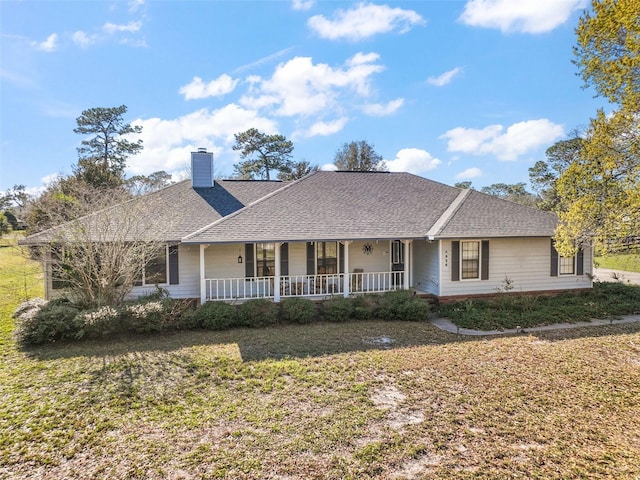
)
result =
(315, 254)
(479, 277)
(255, 259)
(575, 266)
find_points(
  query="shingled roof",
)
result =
(485, 216)
(373, 205)
(170, 213)
(320, 206)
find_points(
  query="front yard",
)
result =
(354, 400)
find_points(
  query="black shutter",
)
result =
(484, 268)
(284, 259)
(341, 254)
(173, 265)
(554, 260)
(248, 260)
(311, 259)
(455, 261)
(580, 262)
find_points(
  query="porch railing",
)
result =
(311, 285)
(239, 288)
(302, 285)
(373, 282)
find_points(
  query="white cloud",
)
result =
(412, 160)
(322, 128)
(302, 4)
(329, 167)
(48, 45)
(469, 173)
(526, 16)
(168, 143)
(198, 89)
(445, 78)
(381, 110)
(300, 87)
(364, 21)
(134, 5)
(83, 40)
(130, 27)
(517, 140)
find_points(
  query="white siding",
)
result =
(378, 261)
(221, 261)
(188, 275)
(425, 266)
(298, 258)
(526, 261)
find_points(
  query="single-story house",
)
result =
(342, 233)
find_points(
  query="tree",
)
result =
(600, 193)
(16, 196)
(64, 199)
(608, 50)
(13, 203)
(5, 226)
(143, 184)
(467, 185)
(98, 257)
(359, 157)
(516, 192)
(263, 153)
(103, 157)
(297, 170)
(544, 175)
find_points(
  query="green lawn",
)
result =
(358, 400)
(627, 262)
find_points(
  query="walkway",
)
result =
(601, 274)
(449, 326)
(608, 275)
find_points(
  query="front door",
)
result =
(397, 262)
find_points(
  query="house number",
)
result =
(367, 249)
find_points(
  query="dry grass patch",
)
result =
(190, 406)
(323, 401)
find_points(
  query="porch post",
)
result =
(347, 277)
(203, 284)
(407, 257)
(276, 280)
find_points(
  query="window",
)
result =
(265, 259)
(470, 260)
(567, 265)
(155, 271)
(327, 257)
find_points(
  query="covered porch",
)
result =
(310, 269)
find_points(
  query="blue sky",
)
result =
(451, 90)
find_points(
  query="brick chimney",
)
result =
(201, 168)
